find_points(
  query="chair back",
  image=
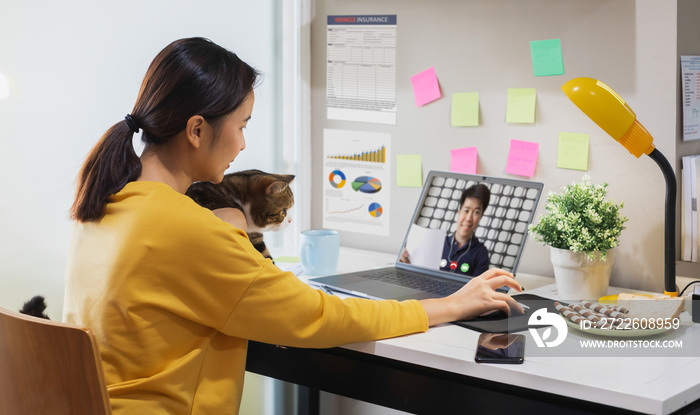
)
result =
(48, 367)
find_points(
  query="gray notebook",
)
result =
(503, 230)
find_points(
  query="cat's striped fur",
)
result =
(264, 198)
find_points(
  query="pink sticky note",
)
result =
(522, 158)
(463, 160)
(425, 87)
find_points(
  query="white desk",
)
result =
(657, 385)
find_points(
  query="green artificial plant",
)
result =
(580, 219)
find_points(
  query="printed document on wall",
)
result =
(361, 68)
(690, 75)
(690, 226)
(356, 179)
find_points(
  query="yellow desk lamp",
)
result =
(615, 117)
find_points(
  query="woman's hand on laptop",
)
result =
(477, 297)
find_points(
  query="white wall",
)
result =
(483, 46)
(74, 69)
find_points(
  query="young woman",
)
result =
(174, 292)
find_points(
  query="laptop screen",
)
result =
(502, 230)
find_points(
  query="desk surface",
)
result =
(650, 384)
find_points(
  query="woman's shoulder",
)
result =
(161, 204)
(157, 196)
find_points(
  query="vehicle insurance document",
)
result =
(361, 68)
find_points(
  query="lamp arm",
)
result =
(670, 226)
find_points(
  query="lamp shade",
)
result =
(602, 105)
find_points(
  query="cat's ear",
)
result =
(288, 177)
(276, 187)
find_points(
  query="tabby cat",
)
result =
(264, 198)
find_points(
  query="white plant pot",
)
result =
(579, 278)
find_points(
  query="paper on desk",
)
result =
(424, 246)
(288, 263)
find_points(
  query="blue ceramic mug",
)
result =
(319, 251)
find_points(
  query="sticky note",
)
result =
(288, 259)
(463, 160)
(465, 109)
(546, 57)
(425, 87)
(521, 105)
(409, 170)
(522, 158)
(572, 152)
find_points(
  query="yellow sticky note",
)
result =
(521, 105)
(465, 109)
(288, 259)
(572, 152)
(409, 170)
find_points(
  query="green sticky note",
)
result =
(521, 105)
(465, 109)
(573, 151)
(546, 57)
(409, 170)
(287, 259)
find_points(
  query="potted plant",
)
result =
(582, 227)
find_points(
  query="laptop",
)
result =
(503, 230)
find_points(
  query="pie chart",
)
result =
(375, 209)
(337, 179)
(367, 184)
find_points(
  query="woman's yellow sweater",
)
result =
(173, 294)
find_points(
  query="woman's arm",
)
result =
(478, 296)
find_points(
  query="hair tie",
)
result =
(131, 123)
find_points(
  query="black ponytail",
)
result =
(189, 77)
(111, 164)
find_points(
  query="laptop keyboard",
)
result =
(416, 281)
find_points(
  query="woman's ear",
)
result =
(195, 130)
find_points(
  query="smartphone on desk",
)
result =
(500, 348)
